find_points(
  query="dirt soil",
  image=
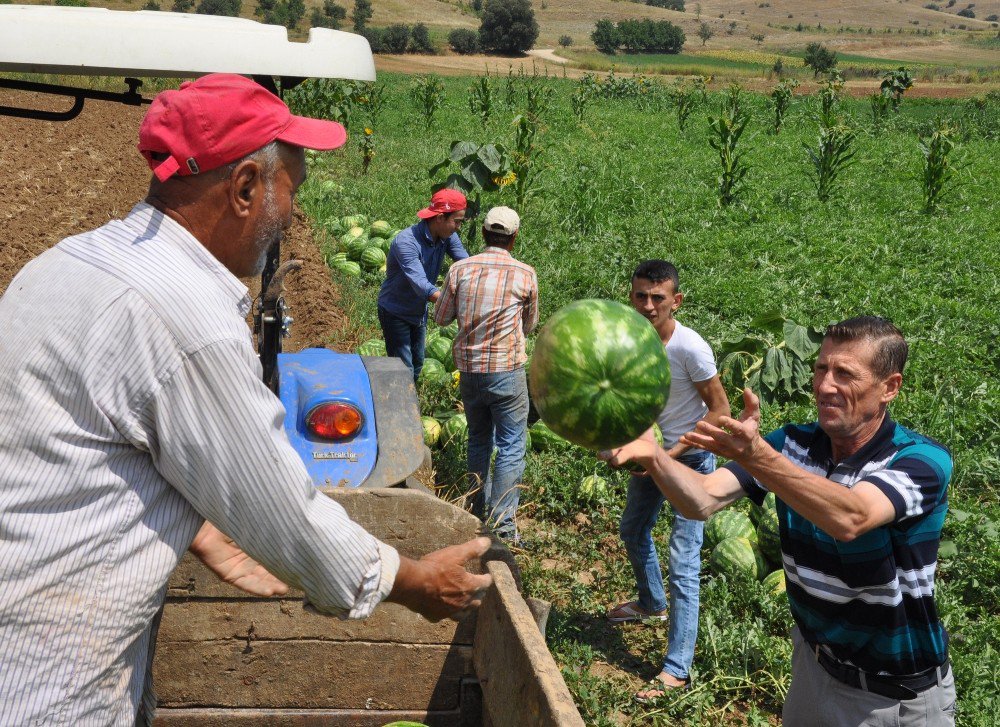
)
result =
(62, 178)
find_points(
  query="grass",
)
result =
(625, 185)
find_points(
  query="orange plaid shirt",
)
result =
(495, 300)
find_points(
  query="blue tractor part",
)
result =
(387, 446)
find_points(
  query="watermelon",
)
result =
(735, 555)
(432, 369)
(775, 582)
(728, 524)
(337, 257)
(543, 438)
(349, 268)
(380, 228)
(432, 430)
(592, 487)
(372, 258)
(757, 513)
(335, 226)
(455, 431)
(440, 348)
(355, 248)
(768, 538)
(599, 374)
(374, 347)
(450, 331)
(355, 221)
(384, 243)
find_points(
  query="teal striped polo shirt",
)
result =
(870, 602)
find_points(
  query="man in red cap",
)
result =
(411, 272)
(137, 413)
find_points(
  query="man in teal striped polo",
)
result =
(861, 501)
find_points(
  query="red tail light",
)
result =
(335, 421)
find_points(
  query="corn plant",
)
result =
(726, 130)
(481, 100)
(372, 100)
(829, 95)
(684, 99)
(523, 157)
(580, 99)
(833, 155)
(731, 102)
(938, 169)
(428, 93)
(537, 97)
(775, 360)
(782, 98)
(325, 98)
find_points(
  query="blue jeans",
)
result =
(496, 407)
(642, 508)
(404, 340)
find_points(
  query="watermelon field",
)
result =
(775, 235)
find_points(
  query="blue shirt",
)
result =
(869, 602)
(412, 267)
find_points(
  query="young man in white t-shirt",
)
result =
(695, 393)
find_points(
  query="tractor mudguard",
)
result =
(401, 447)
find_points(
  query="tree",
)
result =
(396, 38)
(331, 16)
(280, 12)
(605, 37)
(508, 26)
(182, 6)
(228, 8)
(151, 5)
(464, 41)
(820, 58)
(677, 5)
(705, 32)
(362, 14)
(420, 40)
(758, 38)
(565, 41)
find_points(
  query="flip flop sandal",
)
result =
(656, 685)
(630, 612)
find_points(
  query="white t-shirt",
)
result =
(691, 360)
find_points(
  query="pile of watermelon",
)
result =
(750, 545)
(355, 245)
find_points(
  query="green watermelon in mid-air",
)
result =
(432, 430)
(599, 374)
(374, 347)
(728, 524)
(734, 555)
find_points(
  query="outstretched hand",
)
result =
(733, 438)
(226, 559)
(438, 586)
(634, 455)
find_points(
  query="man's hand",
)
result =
(438, 586)
(733, 439)
(225, 558)
(636, 456)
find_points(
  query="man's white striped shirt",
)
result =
(131, 409)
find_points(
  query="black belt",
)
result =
(893, 687)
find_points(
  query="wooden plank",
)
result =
(522, 685)
(200, 717)
(311, 675)
(267, 620)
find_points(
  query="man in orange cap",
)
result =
(411, 270)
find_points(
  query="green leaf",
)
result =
(947, 550)
(798, 341)
(490, 158)
(749, 344)
(461, 149)
(772, 322)
(770, 374)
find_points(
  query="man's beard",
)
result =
(270, 230)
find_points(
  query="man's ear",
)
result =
(245, 185)
(892, 385)
(678, 299)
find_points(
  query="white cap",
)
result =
(503, 220)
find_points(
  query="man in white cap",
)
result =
(495, 300)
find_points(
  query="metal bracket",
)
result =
(132, 97)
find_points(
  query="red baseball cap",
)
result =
(444, 200)
(220, 118)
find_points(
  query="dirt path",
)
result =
(61, 178)
(547, 54)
